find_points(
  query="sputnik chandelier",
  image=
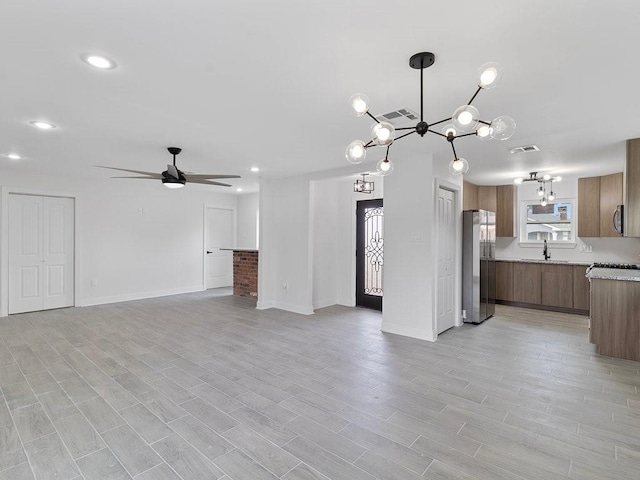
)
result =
(465, 121)
(542, 186)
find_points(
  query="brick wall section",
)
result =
(245, 273)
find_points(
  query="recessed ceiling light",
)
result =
(98, 61)
(255, 169)
(42, 125)
(14, 156)
(238, 189)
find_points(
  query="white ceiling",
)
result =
(265, 83)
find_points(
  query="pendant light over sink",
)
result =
(465, 120)
(546, 195)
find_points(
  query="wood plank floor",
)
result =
(202, 386)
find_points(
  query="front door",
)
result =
(41, 253)
(219, 233)
(446, 260)
(369, 253)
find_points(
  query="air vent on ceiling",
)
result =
(524, 149)
(399, 117)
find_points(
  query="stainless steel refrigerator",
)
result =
(478, 265)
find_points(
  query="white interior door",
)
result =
(219, 233)
(446, 260)
(41, 253)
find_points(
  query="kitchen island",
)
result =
(615, 312)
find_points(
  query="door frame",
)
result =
(4, 241)
(456, 189)
(205, 236)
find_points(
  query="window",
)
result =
(553, 222)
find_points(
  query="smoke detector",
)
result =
(524, 149)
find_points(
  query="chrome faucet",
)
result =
(545, 251)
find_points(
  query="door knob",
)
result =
(209, 251)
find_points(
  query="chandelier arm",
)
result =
(386, 155)
(406, 128)
(441, 121)
(405, 135)
(474, 95)
(368, 144)
(466, 135)
(455, 155)
(484, 123)
(437, 133)
(376, 120)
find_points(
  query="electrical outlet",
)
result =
(94, 282)
(464, 314)
(285, 286)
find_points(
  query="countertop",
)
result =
(240, 249)
(550, 261)
(614, 274)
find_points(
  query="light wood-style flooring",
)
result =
(202, 386)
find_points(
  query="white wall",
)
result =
(626, 250)
(408, 258)
(286, 253)
(324, 234)
(247, 221)
(135, 239)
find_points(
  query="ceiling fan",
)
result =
(172, 177)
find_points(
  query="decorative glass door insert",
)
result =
(370, 253)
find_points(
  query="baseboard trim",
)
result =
(420, 334)
(89, 302)
(325, 303)
(346, 302)
(547, 308)
(288, 307)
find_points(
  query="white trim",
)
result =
(346, 301)
(405, 331)
(288, 307)
(327, 302)
(457, 313)
(140, 296)
(4, 241)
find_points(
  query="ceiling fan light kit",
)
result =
(465, 120)
(173, 177)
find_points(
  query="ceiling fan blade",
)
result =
(207, 182)
(140, 172)
(173, 171)
(208, 176)
(156, 177)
